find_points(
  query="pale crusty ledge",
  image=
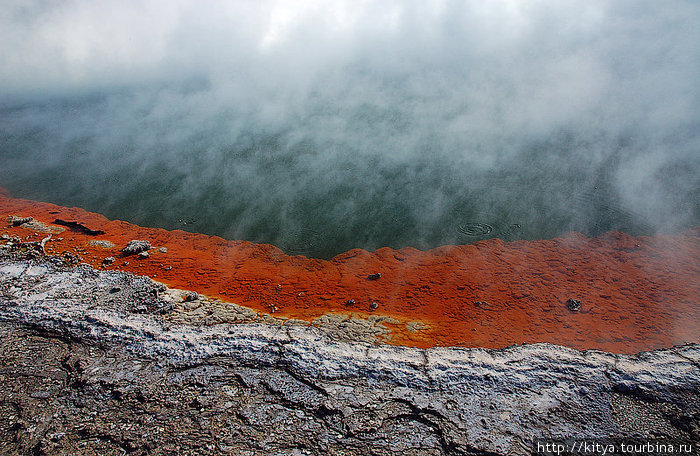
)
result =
(103, 362)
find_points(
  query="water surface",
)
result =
(324, 128)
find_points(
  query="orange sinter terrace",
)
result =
(615, 292)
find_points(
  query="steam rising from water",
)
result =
(323, 126)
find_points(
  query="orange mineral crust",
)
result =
(636, 293)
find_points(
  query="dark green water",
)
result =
(316, 194)
(333, 125)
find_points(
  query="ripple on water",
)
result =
(475, 229)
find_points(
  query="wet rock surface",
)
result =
(104, 362)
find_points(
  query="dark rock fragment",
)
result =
(75, 226)
(17, 221)
(376, 276)
(107, 261)
(193, 296)
(573, 305)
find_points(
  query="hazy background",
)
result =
(325, 125)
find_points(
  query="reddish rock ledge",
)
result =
(636, 293)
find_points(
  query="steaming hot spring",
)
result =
(475, 174)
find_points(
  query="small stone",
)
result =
(376, 276)
(17, 221)
(373, 306)
(136, 246)
(101, 243)
(115, 290)
(193, 296)
(144, 254)
(350, 302)
(163, 250)
(108, 260)
(573, 305)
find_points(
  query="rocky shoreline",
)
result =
(106, 362)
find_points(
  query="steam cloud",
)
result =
(325, 125)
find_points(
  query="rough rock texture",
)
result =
(97, 362)
(136, 246)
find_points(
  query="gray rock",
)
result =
(136, 246)
(17, 221)
(113, 374)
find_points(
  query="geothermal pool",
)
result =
(323, 128)
(317, 197)
(511, 154)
